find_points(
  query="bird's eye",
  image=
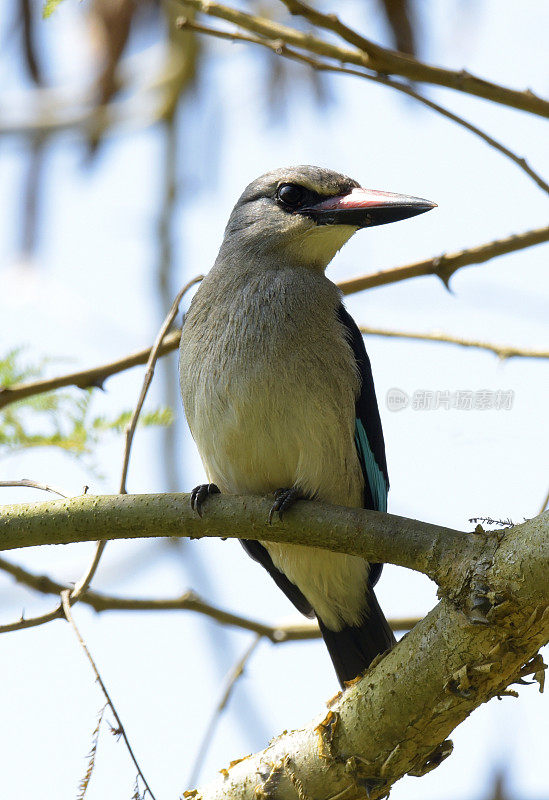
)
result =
(290, 195)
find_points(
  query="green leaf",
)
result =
(49, 7)
(59, 419)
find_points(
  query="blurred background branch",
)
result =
(189, 601)
(367, 54)
(279, 47)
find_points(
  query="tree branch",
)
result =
(151, 363)
(499, 579)
(502, 351)
(369, 55)
(112, 517)
(189, 601)
(417, 693)
(86, 378)
(444, 266)
(25, 483)
(280, 48)
(120, 730)
(445, 555)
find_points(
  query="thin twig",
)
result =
(151, 362)
(66, 604)
(26, 483)
(370, 55)
(502, 351)
(79, 588)
(189, 601)
(32, 622)
(84, 581)
(33, 61)
(280, 48)
(57, 612)
(230, 681)
(129, 432)
(385, 60)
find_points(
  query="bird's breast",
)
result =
(269, 385)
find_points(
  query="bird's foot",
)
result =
(284, 499)
(201, 493)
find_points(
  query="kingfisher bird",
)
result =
(278, 390)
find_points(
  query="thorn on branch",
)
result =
(443, 271)
(116, 731)
(434, 759)
(460, 684)
(481, 603)
(360, 771)
(479, 530)
(387, 766)
(137, 791)
(535, 667)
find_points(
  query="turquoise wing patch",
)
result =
(372, 472)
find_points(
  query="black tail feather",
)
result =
(353, 649)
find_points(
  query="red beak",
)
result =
(363, 208)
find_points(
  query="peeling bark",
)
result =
(394, 720)
(481, 638)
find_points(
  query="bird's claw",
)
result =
(201, 493)
(284, 499)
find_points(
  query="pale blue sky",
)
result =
(91, 297)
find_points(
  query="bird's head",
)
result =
(303, 215)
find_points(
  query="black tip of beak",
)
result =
(364, 208)
(394, 212)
